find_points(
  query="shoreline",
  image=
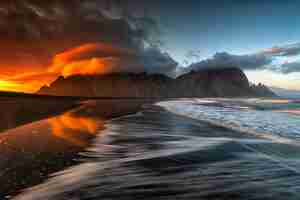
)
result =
(42, 148)
(157, 154)
(37, 151)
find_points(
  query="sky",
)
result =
(42, 40)
(236, 27)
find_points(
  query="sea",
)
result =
(188, 149)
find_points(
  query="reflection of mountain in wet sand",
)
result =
(50, 145)
(18, 109)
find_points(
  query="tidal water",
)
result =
(183, 149)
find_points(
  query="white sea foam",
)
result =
(276, 126)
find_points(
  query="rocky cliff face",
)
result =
(229, 82)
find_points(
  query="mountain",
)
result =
(111, 85)
(213, 83)
(227, 82)
(286, 93)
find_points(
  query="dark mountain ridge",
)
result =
(227, 82)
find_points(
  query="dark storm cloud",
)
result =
(223, 60)
(34, 31)
(156, 61)
(75, 20)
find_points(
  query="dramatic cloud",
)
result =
(268, 59)
(287, 68)
(223, 60)
(285, 52)
(288, 50)
(78, 36)
(44, 28)
(91, 50)
(156, 61)
(97, 58)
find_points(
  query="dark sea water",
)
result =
(187, 149)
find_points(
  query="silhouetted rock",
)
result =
(227, 82)
(111, 85)
(262, 91)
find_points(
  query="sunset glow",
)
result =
(91, 58)
(13, 86)
(42, 41)
(139, 99)
(84, 67)
(86, 59)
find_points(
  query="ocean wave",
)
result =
(278, 126)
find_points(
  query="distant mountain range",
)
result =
(286, 93)
(227, 82)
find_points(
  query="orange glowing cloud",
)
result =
(91, 50)
(92, 58)
(85, 67)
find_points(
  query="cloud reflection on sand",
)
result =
(69, 126)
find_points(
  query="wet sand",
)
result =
(158, 155)
(29, 153)
(17, 111)
(153, 154)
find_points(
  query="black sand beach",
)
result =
(30, 152)
(117, 149)
(155, 154)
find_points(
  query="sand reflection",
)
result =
(72, 127)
